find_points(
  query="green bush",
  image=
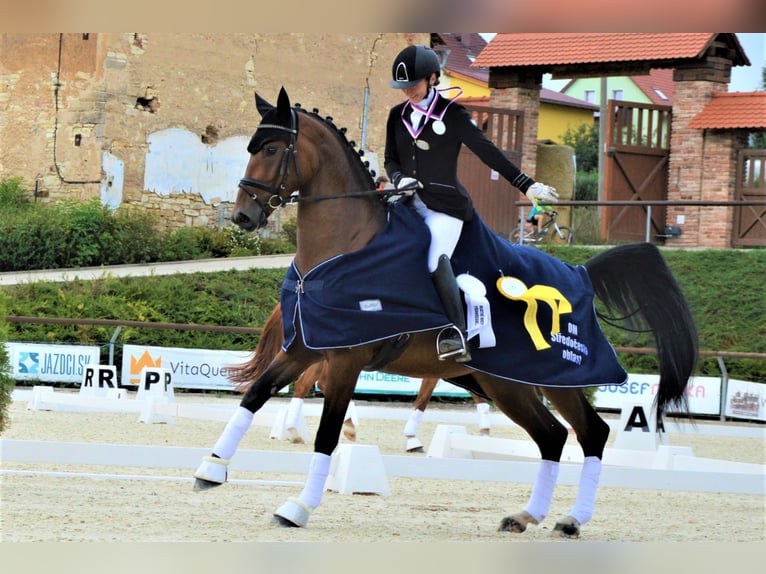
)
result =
(6, 382)
(586, 186)
(724, 288)
(73, 234)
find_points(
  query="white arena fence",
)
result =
(638, 460)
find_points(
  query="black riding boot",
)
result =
(452, 342)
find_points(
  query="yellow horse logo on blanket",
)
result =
(515, 289)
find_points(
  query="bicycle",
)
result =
(553, 233)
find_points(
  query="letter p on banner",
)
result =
(156, 383)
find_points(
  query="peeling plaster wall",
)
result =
(204, 85)
(178, 162)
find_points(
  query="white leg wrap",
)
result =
(212, 469)
(582, 511)
(483, 411)
(294, 410)
(313, 489)
(411, 427)
(235, 429)
(542, 492)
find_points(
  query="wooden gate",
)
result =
(636, 168)
(494, 198)
(750, 220)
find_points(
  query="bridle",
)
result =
(275, 199)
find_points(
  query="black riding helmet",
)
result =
(413, 64)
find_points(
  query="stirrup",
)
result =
(450, 347)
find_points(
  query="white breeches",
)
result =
(445, 232)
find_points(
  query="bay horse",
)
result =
(269, 345)
(342, 221)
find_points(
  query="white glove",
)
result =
(541, 192)
(408, 185)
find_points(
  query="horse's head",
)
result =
(272, 172)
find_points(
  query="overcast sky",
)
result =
(743, 78)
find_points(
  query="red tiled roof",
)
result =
(731, 110)
(574, 48)
(659, 79)
(464, 47)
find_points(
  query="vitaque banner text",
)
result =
(188, 368)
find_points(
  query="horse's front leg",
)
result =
(213, 470)
(339, 386)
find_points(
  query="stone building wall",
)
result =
(78, 110)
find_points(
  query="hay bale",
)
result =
(556, 167)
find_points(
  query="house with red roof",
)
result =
(656, 87)
(704, 169)
(559, 112)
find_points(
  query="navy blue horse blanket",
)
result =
(549, 335)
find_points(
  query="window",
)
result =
(590, 96)
(661, 94)
(617, 94)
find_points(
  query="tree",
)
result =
(584, 140)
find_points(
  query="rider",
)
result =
(423, 139)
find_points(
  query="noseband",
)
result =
(275, 199)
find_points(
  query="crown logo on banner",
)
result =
(144, 361)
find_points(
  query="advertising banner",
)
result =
(189, 368)
(745, 400)
(376, 383)
(704, 393)
(50, 363)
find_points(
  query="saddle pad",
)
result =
(385, 289)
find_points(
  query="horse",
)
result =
(346, 230)
(268, 346)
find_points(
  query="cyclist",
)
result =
(537, 217)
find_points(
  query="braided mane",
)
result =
(361, 167)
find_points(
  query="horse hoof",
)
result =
(567, 528)
(283, 522)
(349, 431)
(517, 523)
(201, 484)
(295, 436)
(414, 444)
(211, 472)
(293, 513)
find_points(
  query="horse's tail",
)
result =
(635, 281)
(268, 346)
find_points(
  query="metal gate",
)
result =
(636, 168)
(750, 220)
(493, 197)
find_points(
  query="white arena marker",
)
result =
(358, 469)
(638, 428)
(155, 387)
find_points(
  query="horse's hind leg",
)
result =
(212, 471)
(427, 386)
(482, 410)
(301, 389)
(523, 406)
(592, 433)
